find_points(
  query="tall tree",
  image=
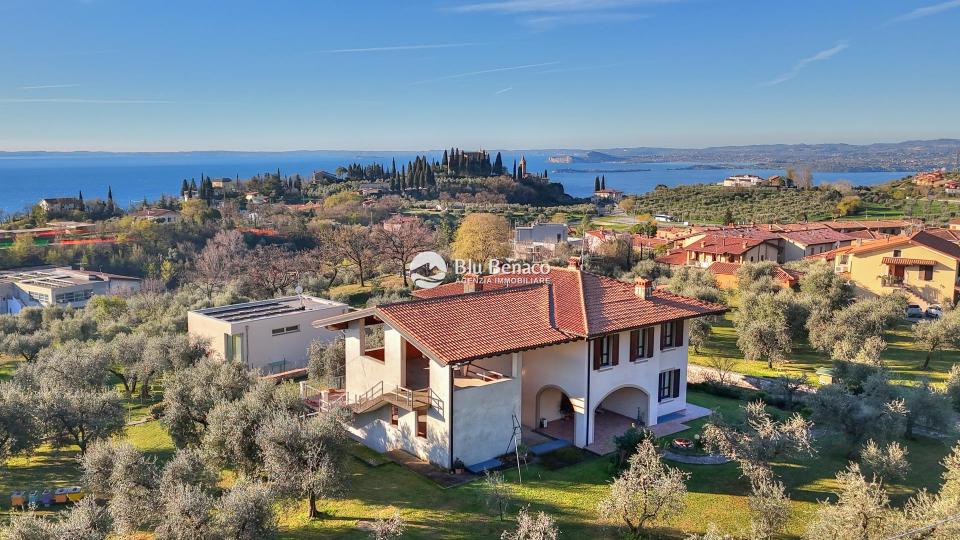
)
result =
(399, 244)
(358, 248)
(482, 237)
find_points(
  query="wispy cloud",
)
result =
(547, 22)
(546, 6)
(484, 72)
(398, 48)
(503, 91)
(48, 86)
(574, 69)
(89, 101)
(825, 54)
(926, 11)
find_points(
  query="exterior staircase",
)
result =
(375, 397)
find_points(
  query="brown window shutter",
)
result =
(678, 333)
(634, 345)
(676, 383)
(649, 332)
(663, 336)
(597, 352)
(615, 352)
(927, 273)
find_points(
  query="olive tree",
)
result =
(759, 439)
(886, 462)
(769, 506)
(246, 512)
(123, 472)
(304, 457)
(862, 511)
(530, 526)
(646, 492)
(20, 423)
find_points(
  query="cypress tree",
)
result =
(514, 170)
(110, 199)
(596, 184)
(603, 182)
(184, 187)
(498, 165)
(80, 205)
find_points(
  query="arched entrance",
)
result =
(555, 413)
(620, 409)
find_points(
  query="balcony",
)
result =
(891, 280)
(469, 376)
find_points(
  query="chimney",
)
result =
(643, 288)
(472, 283)
(573, 263)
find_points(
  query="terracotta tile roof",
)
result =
(951, 235)
(904, 261)
(465, 327)
(675, 257)
(723, 245)
(816, 236)
(869, 223)
(577, 304)
(921, 238)
(648, 241)
(721, 268)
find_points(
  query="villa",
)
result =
(469, 367)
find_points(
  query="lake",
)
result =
(24, 179)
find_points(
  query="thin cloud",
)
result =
(484, 72)
(503, 91)
(398, 48)
(548, 6)
(573, 69)
(90, 101)
(48, 86)
(547, 22)
(926, 11)
(799, 66)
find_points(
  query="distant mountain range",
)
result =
(834, 157)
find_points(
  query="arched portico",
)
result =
(555, 413)
(621, 408)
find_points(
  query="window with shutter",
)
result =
(678, 333)
(649, 340)
(927, 273)
(614, 349)
(669, 385)
(635, 348)
(667, 335)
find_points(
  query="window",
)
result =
(641, 344)
(395, 415)
(605, 351)
(926, 273)
(422, 425)
(671, 334)
(234, 348)
(74, 296)
(669, 386)
(897, 253)
(285, 330)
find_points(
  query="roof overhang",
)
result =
(340, 322)
(905, 261)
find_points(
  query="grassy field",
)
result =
(901, 356)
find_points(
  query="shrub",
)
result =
(627, 445)
(563, 457)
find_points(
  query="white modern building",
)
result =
(63, 286)
(538, 241)
(566, 356)
(270, 335)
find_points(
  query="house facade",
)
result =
(270, 335)
(61, 286)
(923, 266)
(470, 365)
(539, 241)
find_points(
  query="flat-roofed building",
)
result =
(270, 335)
(46, 286)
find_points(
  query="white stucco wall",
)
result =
(483, 420)
(563, 366)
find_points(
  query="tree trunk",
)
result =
(313, 512)
(926, 361)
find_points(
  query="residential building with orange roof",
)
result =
(925, 266)
(564, 356)
(726, 275)
(802, 243)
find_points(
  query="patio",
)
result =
(610, 424)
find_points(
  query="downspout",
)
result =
(450, 415)
(586, 435)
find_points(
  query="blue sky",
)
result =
(400, 75)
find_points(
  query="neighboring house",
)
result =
(924, 266)
(52, 230)
(473, 364)
(397, 222)
(61, 286)
(954, 224)
(726, 275)
(743, 180)
(539, 241)
(270, 335)
(324, 176)
(156, 215)
(673, 257)
(607, 195)
(593, 240)
(60, 204)
(800, 244)
(892, 227)
(749, 246)
(930, 178)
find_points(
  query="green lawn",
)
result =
(901, 356)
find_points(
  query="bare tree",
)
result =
(723, 368)
(357, 247)
(271, 270)
(496, 492)
(399, 244)
(387, 528)
(220, 260)
(539, 526)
